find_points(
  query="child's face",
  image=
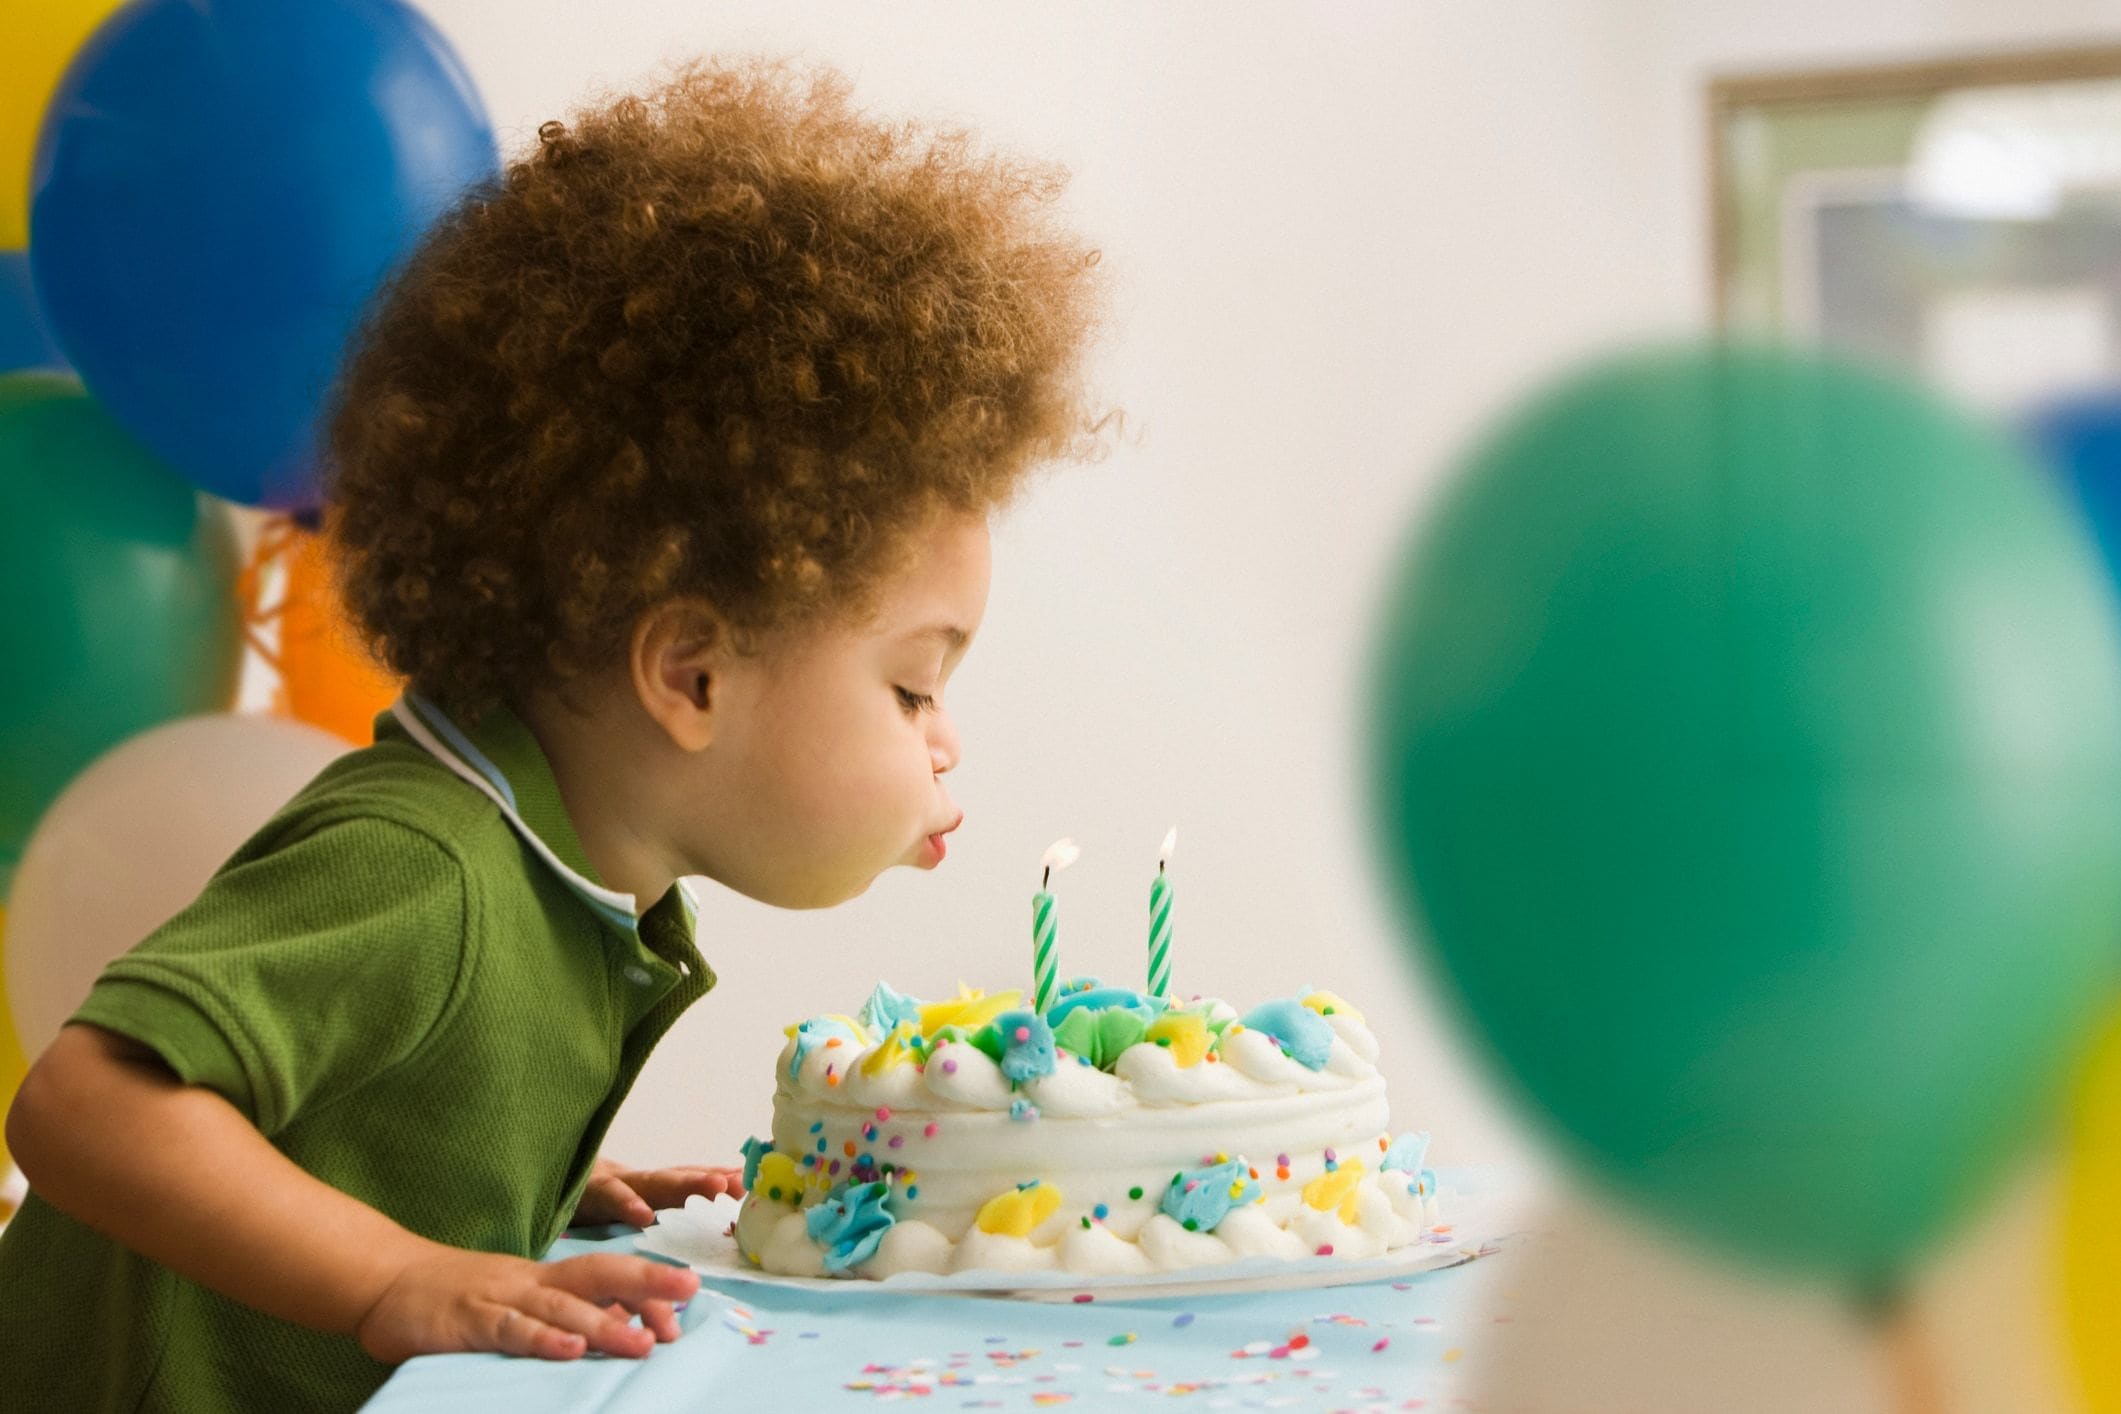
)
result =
(831, 744)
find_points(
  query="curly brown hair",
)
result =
(731, 339)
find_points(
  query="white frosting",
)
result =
(1098, 1138)
(1097, 1250)
(979, 1251)
(910, 1246)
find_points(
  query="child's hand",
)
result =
(619, 1195)
(454, 1301)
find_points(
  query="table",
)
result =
(745, 1345)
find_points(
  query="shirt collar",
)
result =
(502, 760)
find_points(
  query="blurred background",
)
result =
(1344, 239)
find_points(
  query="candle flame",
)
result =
(1163, 857)
(1058, 856)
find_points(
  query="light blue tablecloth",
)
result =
(753, 1346)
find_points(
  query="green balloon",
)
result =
(1747, 744)
(119, 585)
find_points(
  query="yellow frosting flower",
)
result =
(1326, 1004)
(893, 1051)
(779, 1179)
(1336, 1190)
(969, 1009)
(1018, 1212)
(1184, 1033)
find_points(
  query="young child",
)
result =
(662, 473)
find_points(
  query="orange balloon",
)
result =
(326, 677)
(13, 1065)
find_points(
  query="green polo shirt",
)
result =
(412, 982)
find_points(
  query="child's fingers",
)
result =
(609, 1197)
(514, 1332)
(605, 1277)
(669, 1188)
(606, 1328)
(660, 1319)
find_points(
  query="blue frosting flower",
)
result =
(1098, 998)
(811, 1034)
(1406, 1154)
(1302, 1032)
(1027, 1045)
(1199, 1199)
(754, 1150)
(849, 1224)
(886, 1008)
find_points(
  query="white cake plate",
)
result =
(698, 1235)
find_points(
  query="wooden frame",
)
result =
(1732, 96)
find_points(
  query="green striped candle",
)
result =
(1160, 920)
(1045, 958)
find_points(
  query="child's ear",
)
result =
(677, 657)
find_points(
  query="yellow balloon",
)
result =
(41, 39)
(2091, 1236)
(12, 1064)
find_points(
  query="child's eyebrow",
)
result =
(952, 636)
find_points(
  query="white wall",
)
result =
(1342, 236)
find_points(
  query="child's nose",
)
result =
(943, 744)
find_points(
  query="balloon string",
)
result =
(276, 538)
(1911, 1366)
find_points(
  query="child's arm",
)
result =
(109, 1136)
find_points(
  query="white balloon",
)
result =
(1598, 1313)
(132, 840)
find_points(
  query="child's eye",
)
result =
(914, 701)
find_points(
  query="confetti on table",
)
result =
(1126, 1339)
(1182, 1320)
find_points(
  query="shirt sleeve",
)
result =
(304, 969)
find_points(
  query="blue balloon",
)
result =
(2081, 439)
(219, 186)
(24, 341)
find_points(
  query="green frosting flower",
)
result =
(1100, 1035)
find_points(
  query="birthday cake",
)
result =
(1110, 1133)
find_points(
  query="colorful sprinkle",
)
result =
(1325, 1249)
(1100, 1212)
(1134, 1193)
(949, 1066)
(883, 1114)
(897, 1140)
(1084, 1298)
(930, 1130)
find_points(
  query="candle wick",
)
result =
(1159, 866)
(1046, 878)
